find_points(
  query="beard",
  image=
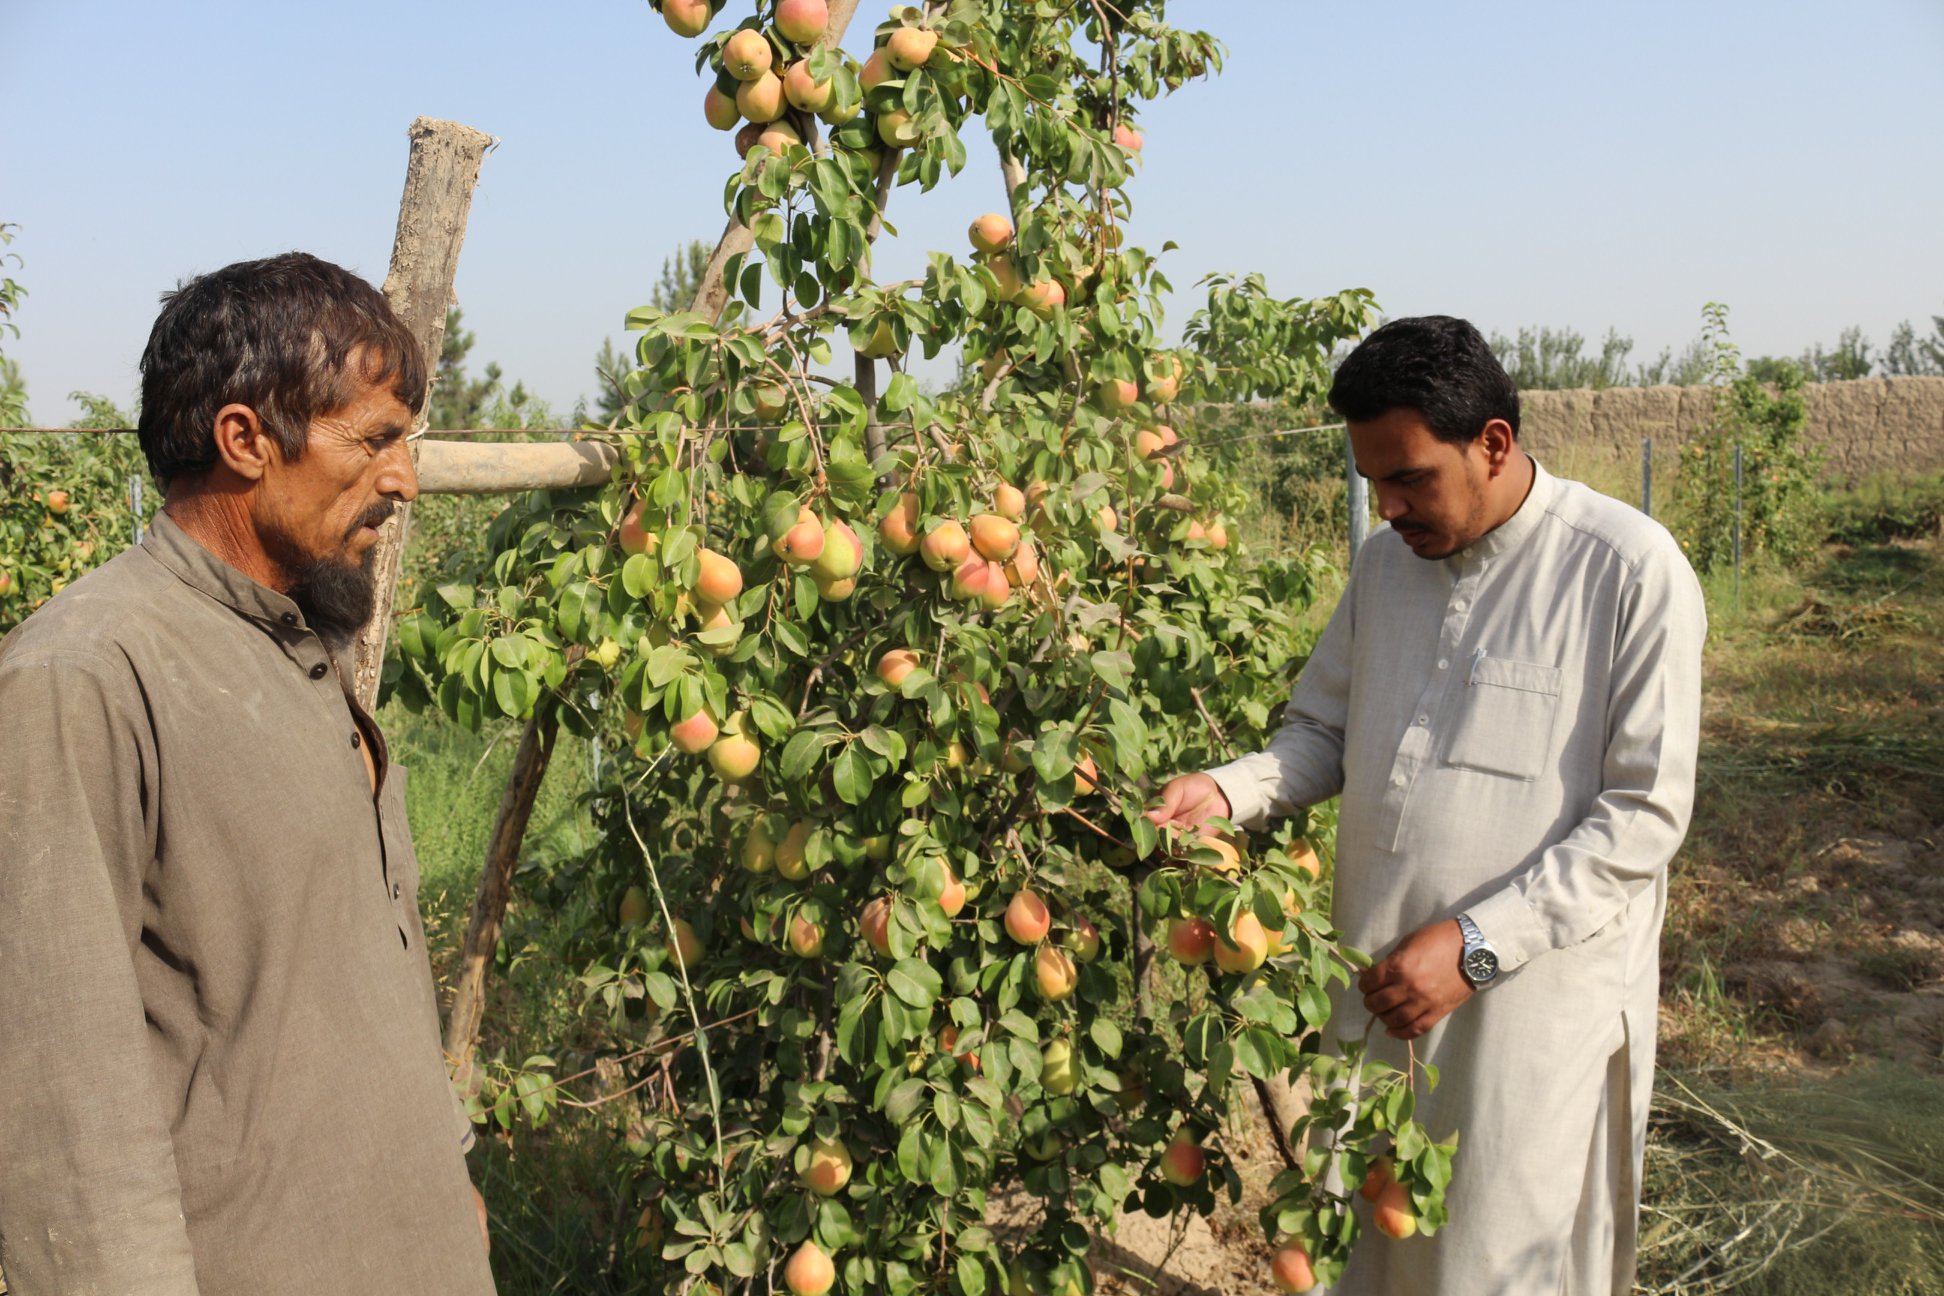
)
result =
(336, 595)
(335, 592)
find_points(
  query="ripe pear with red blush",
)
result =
(804, 91)
(683, 945)
(945, 546)
(736, 754)
(719, 110)
(953, 896)
(1393, 1213)
(1250, 949)
(1183, 1163)
(910, 47)
(1191, 940)
(898, 529)
(1292, 1269)
(1027, 917)
(828, 1168)
(761, 99)
(806, 937)
(1054, 972)
(991, 233)
(686, 17)
(809, 1271)
(747, 55)
(717, 579)
(802, 542)
(694, 733)
(874, 924)
(802, 22)
(895, 664)
(995, 537)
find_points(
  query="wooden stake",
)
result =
(439, 180)
(495, 889)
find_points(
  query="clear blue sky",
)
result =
(1548, 163)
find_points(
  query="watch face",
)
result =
(1481, 965)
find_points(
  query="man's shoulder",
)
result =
(103, 619)
(1631, 537)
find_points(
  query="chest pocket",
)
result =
(1505, 722)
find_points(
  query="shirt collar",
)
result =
(1511, 532)
(200, 569)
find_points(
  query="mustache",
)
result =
(375, 516)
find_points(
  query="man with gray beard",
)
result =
(218, 1031)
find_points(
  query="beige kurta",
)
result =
(1513, 730)
(218, 1038)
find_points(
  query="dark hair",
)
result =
(276, 335)
(1435, 364)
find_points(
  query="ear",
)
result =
(1499, 444)
(243, 444)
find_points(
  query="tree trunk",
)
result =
(439, 180)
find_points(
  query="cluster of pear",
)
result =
(981, 561)
(1055, 973)
(761, 82)
(766, 89)
(1194, 940)
(992, 239)
(731, 745)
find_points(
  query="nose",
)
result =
(398, 479)
(1390, 503)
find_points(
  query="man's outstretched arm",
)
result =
(1303, 763)
(89, 1196)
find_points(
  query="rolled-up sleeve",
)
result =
(1624, 843)
(89, 1195)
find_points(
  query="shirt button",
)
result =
(1397, 780)
(356, 739)
(1443, 663)
(1424, 719)
(318, 671)
(396, 891)
(290, 618)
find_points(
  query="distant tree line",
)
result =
(1546, 358)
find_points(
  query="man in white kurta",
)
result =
(1513, 728)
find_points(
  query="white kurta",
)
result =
(1513, 730)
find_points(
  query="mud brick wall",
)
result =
(1866, 426)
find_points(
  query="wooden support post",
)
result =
(495, 889)
(536, 742)
(439, 180)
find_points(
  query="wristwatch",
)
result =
(1478, 964)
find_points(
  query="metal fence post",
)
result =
(1738, 521)
(1359, 499)
(1647, 476)
(135, 503)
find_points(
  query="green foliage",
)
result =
(1547, 359)
(1910, 354)
(1779, 518)
(1017, 754)
(66, 506)
(1886, 506)
(13, 389)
